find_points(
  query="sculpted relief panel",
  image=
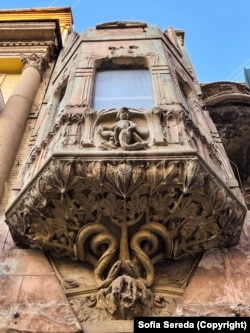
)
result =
(123, 133)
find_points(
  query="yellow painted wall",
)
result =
(7, 84)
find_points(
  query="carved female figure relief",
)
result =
(123, 133)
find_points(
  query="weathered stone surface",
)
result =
(42, 318)
(27, 262)
(201, 286)
(219, 286)
(228, 105)
(10, 287)
(31, 298)
(38, 289)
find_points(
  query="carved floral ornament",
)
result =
(123, 217)
(40, 62)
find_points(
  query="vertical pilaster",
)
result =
(80, 90)
(14, 116)
(163, 85)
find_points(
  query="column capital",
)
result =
(40, 62)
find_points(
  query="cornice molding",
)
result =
(62, 14)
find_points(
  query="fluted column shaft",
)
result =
(14, 116)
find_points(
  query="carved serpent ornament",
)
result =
(147, 234)
(98, 236)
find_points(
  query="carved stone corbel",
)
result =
(123, 217)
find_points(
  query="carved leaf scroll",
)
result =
(120, 197)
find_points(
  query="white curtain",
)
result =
(117, 88)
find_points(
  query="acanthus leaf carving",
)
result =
(40, 62)
(123, 217)
(153, 189)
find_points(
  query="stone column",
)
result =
(14, 116)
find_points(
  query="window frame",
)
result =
(128, 66)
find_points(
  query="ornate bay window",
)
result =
(128, 183)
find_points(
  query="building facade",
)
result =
(124, 182)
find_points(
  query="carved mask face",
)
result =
(123, 114)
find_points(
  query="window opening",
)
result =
(123, 87)
(61, 103)
(184, 96)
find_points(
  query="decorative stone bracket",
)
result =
(123, 217)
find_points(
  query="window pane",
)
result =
(61, 103)
(184, 97)
(117, 88)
